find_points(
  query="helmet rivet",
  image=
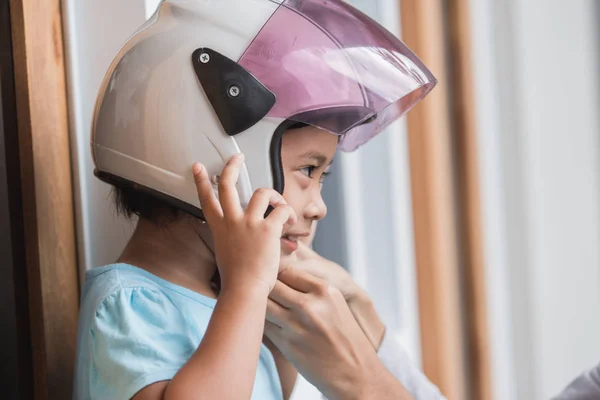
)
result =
(234, 91)
(204, 58)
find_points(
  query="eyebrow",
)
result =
(318, 157)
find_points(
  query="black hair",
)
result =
(131, 201)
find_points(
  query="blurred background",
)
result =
(474, 223)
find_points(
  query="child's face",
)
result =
(306, 155)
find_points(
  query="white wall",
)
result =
(94, 32)
(536, 64)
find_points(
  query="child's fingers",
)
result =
(208, 201)
(261, 199)
(283, 214)
(228, 194)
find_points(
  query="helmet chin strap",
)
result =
(202, 229)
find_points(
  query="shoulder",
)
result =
(129, 297)
(105, 285)
(133, 331)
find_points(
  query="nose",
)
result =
(316, 208)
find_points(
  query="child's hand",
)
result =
(247, 245)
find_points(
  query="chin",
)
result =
(286, 260)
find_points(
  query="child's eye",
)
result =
(308, 171)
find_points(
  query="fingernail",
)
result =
(197, 168)
(239, 156)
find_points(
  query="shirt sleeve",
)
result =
(584, 387)
(138, 337)
(397, 361)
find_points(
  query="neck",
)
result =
(179, 252)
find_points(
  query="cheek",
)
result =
(293, 195)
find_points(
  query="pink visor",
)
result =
(331, 66)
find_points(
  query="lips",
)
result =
(294, 236)
(289, 237)
(290, 240)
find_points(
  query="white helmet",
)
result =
(203, 80)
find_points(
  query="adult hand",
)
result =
(310, 323)
(357, 299)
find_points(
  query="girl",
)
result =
(311, 77)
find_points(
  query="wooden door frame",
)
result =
(470, 213)
(436, 249)
(47, 193)
(444, 172)
(16, 351)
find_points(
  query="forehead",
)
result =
(297, 143)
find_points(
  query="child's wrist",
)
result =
(245, 288)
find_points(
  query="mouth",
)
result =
(290, 240)
(289, 237)
(294, 237)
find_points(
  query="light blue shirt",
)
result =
(136, 329)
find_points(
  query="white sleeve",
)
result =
(584, 387)
(397, 361)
